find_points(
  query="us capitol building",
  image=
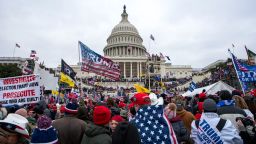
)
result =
(125, 47)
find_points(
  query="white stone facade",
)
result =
(13, 60)
(178, 71)
(124, 46)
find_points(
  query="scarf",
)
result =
(226, 103)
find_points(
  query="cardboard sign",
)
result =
(19, 90)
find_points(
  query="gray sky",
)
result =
(191, 32)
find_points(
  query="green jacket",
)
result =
(95, 134)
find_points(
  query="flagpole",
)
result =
(233, 46)
(149, 80)
(237, 73)
(14, 50)
(149, 49)
(79, 52)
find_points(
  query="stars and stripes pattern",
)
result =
(153, 126)
(94, 62)
(237, 64)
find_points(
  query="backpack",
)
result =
(219, 126)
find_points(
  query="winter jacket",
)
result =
(70, 130)
(181, 132)
(199, 109)
(231, 113)
(95, 134)
(208, 133)
(249, 113)
(187, 118)
(126, 133)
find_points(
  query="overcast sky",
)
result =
(191, 32)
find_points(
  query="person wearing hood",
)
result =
(186, 117)
(210, 128)
(227, 109)
(70, 129)
(98, 131)
(181, 132)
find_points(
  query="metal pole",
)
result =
(81, 90)
(13, 51)
(237, 73)
(149, 80)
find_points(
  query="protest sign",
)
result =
(20, 90)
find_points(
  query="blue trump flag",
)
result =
(192, 86)
(245, 73)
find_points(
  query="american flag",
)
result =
(17, 45)
(33, 53)
(161, 55)
(153, 126)
(152, 37)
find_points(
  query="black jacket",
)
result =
(181, 132)
(95, 134)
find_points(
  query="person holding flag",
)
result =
(151, 122)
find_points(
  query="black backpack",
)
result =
(219, 126)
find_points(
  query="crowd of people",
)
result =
(222, 72)
(222, 118)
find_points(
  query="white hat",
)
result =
(16, 123)
(154, 100)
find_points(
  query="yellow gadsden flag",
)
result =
(141, 89)
(66, 79)
(55, 93)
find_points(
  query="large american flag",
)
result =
(153, 126)
(94, 62)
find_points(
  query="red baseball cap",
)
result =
(141, 99)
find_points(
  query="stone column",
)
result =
(138, 71)
(131, 70)
(124, 70)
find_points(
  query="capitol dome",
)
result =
(124, 40)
